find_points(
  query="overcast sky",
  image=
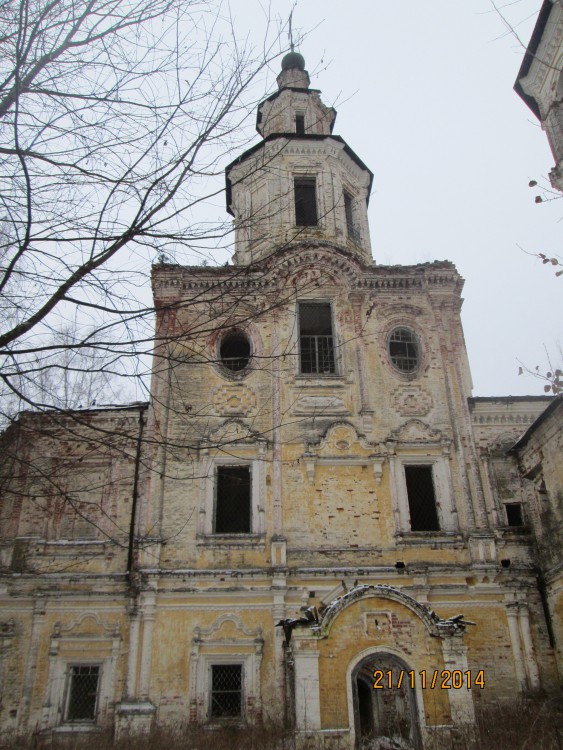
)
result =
(424, 97)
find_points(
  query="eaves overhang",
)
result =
(295, 137)
(530, 56)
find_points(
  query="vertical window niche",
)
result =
(421, 498)
(316, 339)
(351, 226)
(300, 123)
(233, 500)
(306, 214)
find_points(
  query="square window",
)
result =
(82, 693)
(316, 341)
(422, 498)
(226, 691)
(514, 515)
(306, 201)
(233, 500)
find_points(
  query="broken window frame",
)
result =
(317, 351)
(221, 524)
(422, 519)
(235, 365)
(305, 194)
(517, 515)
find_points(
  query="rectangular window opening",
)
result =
(422, 499)
(226, 691)
(351, 227)
(300, 123)
(233, 500)
(514, 514)
(316, 341)
(306, 201)
(83, 681)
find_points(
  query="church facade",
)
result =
(313, 523)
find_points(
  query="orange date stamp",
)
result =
(443, 679)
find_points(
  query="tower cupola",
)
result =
(301, 182)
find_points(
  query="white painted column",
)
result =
(148, 609)
(455, 658)
(514, 630)
(307, 690)
(131, 679)
(531, 663)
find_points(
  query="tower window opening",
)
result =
(306, 201)
(351, 227)
(514, 515)
(300, 123)
(232, 500)
(422, 498)
(316, 341)
(404, 350)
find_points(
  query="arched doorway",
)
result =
(386, 717)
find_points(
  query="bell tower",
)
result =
(301, 182)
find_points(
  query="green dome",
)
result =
(293, 60)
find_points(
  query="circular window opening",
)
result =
(404, 350)
(235, 351)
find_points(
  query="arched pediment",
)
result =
(342, 438)
(378, 591)
(229, 432)
(416, 431)
(316, 262)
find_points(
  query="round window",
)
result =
(234, 351)
(404, 349)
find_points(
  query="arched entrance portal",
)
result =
(386, 717)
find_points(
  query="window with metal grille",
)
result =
(299, 123)
(422, 499)
(353, 232)
(305, 201)
(404, 349)
(226, 691)
(316, 342)
(82, 699)
(232, 500)
(514, 515)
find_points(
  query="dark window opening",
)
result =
(316, 342)
(232, 501)
(235, 351)
(83, 693)
(226, 691)
(514, 515)
(299, 123)
(306, 201)
(353, 232)
(404, 349)
(422, 499)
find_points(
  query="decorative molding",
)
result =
(233, 400)
(416, 431)
(411, 401)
